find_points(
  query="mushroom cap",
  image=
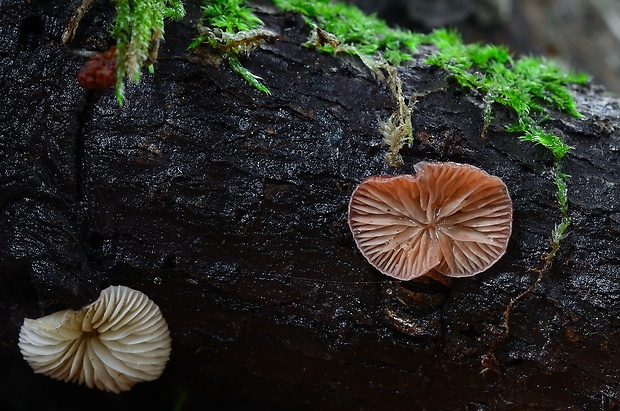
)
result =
(111, 344)
(452, 217)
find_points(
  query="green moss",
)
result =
(230, 15)
(369, 34)
(530, 86)
(247, 75)
(233, 28)
(138, 29)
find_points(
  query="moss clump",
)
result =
(368, 34)
(230, 15)
(233, 28)
(138, 29)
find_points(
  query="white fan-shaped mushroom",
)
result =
(111, 344)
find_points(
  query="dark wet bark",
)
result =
(228, 208)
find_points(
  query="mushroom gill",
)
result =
(451, 217)
(111, 344)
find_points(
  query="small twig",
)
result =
(513, 301)
(558, 235)
(74, 21)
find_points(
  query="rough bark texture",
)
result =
(228, 208)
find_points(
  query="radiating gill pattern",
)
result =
(451, 217)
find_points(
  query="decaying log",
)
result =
(228, 208)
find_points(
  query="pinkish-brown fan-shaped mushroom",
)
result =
(452, 217)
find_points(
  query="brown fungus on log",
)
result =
(99, 72)
(110, 344)
(454, 218)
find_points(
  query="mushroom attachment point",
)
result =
(110, 344)
(454, 218)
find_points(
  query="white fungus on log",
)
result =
(111, 344)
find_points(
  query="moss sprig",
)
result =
(230, 15)
(367, 33)
(247, 75)
(139, 28)
(233, 28)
